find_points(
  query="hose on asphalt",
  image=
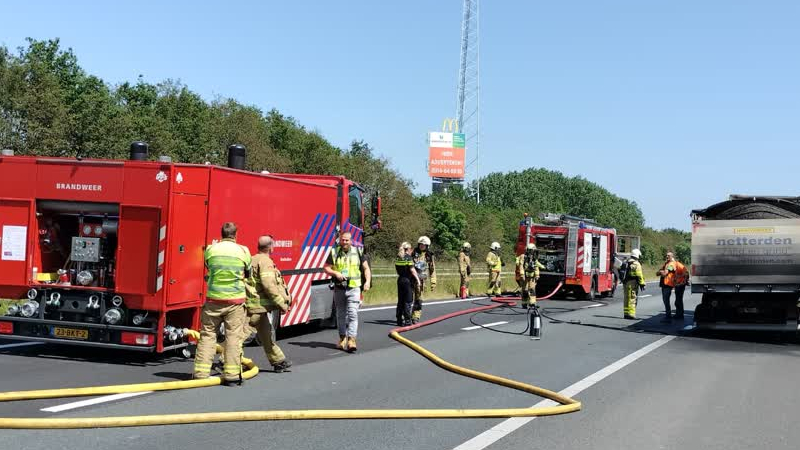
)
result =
(518, 311)
(565, 404)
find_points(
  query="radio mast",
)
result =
(469, 86)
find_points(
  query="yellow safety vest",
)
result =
(227, 263)
(348, 264)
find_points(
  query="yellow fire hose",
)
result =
(567, 404)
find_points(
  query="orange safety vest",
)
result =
(681, 274)
(675, 277)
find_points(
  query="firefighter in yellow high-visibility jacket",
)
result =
(633, 279)
(527, 273)
(228, 265)
(495, 265)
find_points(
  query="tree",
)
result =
(683, 253)
(447, 222)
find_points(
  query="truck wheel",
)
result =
(610, 293)
(592, 294)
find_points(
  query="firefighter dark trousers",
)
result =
(262, 324)
(405, 300)
(233, 316)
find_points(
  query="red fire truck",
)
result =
(575, 252)
(109, 253)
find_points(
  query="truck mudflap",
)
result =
(82, 334)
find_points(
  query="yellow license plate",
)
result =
(70, 333)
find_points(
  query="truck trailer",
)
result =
(746, 263)
(109, 253)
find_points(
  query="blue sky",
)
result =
(673, 104)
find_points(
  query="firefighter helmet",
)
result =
(424, 240)
(531, 246)
(636, 253)
(466, 246)
(495, 246)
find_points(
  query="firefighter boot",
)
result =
(351, 344)
(416, 316)
(342, 345)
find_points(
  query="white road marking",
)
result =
(20, 344)
(645, 295)
(93, 401)
(443, 302)
(508, 426)
(596, 305)
(484, 326)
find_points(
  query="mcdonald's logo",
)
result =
(450, 125)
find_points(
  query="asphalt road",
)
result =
(643, 384)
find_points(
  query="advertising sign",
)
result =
(446, 155)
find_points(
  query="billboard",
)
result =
(446, 155)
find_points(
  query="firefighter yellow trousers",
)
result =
(233, 316)
(629, 305)
(263, 326)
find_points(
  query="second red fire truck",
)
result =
(576, 252)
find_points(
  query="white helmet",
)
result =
(424, 240)
(636, 253)
(495, 246)
(466, 245)
(531, 246)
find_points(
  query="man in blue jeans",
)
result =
(347, 265)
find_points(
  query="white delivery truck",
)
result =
(746, 263)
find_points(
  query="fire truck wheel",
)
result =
(593, 291)
(610, 293)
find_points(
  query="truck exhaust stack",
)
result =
(139, 151)
(236, 156)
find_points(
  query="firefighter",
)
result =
(406, 281)
(347, 265)
(495, 265)
(228, 265)
(464, 269)
(527, 274)
(268, 294)
(634, 282)
(425, 267)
